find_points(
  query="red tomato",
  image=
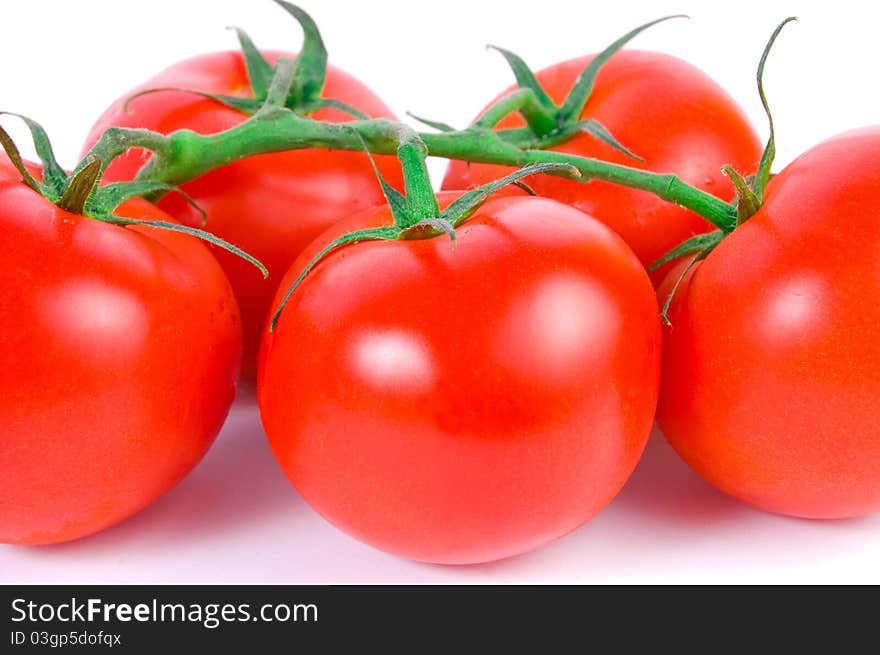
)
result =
(121, 348)
(464, 403)
(270, 205)
(771, 379)
(667, 112)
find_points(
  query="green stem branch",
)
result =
(116, 141)
(420, 198)
(186, 155)
(523, 101)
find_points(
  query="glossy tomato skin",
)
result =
(121, 348)
(771, 378)
(666, 111)
(270, 205)
(464, 404)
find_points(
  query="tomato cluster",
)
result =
(460, 385)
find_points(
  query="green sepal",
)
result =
(437, 125)
(664, 311)
(699, 246)
(370, 234)
(705, 242)
(283, 79)
(185, 229)
(747, 203)
(108, 197)
(54, 176)
(395, 199)
(460, 210)
(525, 78)
(247, 106)
(769, 154)
(330, 103)
(81, 187)
(259, 71)
(597, 130)
(577, 98)
(311, 62)
(14, 155)
(537, 108)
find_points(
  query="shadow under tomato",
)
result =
(236, 486)
(663, 488)
(663, 502)
(668, 525)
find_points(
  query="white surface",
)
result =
(236, 519)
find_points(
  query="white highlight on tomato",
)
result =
(562, 324)
(394, 360)
(110, 323)
(790, 312)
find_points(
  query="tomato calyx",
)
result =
(749, 193)
(304, 95)
(415, 213)
(549, 124)
(80, 192)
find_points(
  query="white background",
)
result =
(235, 519)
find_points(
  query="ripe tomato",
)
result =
(121, 347)
(771, 379)
(667, 112)
(270, 205)
(463, 404)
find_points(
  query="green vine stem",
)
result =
(276, 125)
(185, 155)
